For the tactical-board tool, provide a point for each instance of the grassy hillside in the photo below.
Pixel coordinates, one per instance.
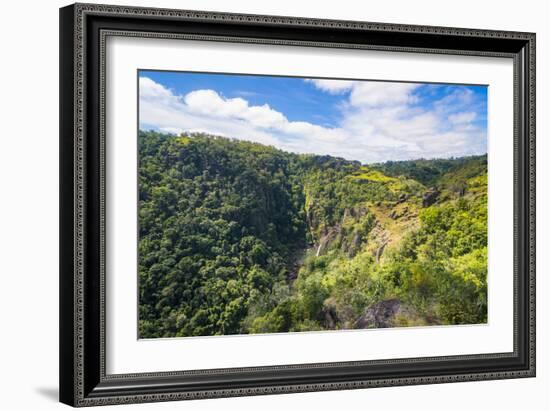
(236, 237)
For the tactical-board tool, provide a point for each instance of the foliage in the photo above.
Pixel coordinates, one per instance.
(425, 171)
(237, 237)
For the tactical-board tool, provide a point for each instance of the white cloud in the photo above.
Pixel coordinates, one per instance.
(210, 103)
(379, 121)
(462, 118)
(369, 93)
(459, 99)
(149, 90)
(382, 94)
(332, 86)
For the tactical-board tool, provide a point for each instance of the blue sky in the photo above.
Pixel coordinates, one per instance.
(367, 121)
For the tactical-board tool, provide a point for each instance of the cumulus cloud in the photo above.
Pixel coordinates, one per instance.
(462, 118)
(382, 94)
(332, 86)
(379, 121)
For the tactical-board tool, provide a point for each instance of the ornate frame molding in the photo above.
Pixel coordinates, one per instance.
(83, 378)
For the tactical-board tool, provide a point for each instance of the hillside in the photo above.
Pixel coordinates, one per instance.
(237, 237)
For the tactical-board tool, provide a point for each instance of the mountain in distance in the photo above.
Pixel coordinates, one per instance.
(239, 238)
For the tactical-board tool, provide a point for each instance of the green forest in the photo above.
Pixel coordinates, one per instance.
(239, 238)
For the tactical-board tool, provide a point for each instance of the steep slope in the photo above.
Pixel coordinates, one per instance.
(217, 221)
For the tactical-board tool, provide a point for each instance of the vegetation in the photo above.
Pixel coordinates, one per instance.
(237, 237)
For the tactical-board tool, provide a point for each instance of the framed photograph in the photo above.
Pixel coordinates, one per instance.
(261, 204)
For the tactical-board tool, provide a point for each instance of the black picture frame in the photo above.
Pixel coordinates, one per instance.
(83, 29)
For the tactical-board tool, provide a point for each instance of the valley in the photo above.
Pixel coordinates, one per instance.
(242, 238)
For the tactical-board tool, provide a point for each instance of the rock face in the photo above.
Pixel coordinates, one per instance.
(402, 198)
(430, 197)
(337, 315)
(343, 234)
(355, 245)
(326, 239)
(355, 212)
(381, 315)
(295, 262)
(330, 316)
(380, 250)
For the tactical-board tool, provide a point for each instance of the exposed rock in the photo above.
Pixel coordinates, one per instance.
(355, 213)
(355, 245)
(402, 198)
(295, 262)
(381, 250)
(330, 317)
(337, 315)
(430, 197)
(384, 313)
(311, 219)
(326, 239)
(347, 214)
(343, 235)
(351, 246)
